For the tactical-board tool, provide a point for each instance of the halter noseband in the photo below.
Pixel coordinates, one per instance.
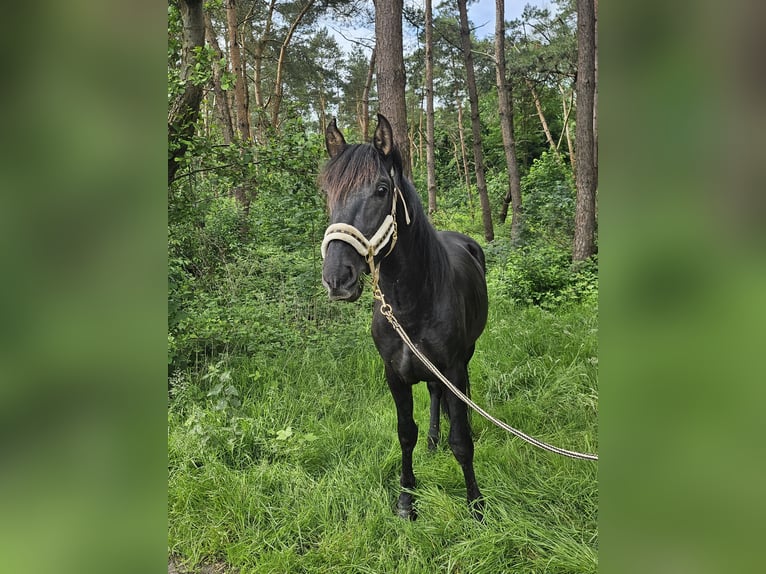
(368, 248)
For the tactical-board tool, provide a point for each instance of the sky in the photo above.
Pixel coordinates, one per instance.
(481, 14)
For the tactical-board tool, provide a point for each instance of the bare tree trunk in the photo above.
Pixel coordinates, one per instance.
(258, 50)
(481, 183)
(421, 134)
(184, 110)
(505, 104)
(366, 98)
(411, 138)
(541, 115)
(565, 129)
(585, 211)
(464, 152)
(430, 152)
(240, 85)
(595, 98)
(221, 100)
(421, 139)
(390, 73)
(278, 93)
(322, 112)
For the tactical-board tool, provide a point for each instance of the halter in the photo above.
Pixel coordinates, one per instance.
(368, 248)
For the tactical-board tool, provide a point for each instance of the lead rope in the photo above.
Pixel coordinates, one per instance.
(388, 313)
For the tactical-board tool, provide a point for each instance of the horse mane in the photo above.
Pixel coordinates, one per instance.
(425, 239)
(355, 166)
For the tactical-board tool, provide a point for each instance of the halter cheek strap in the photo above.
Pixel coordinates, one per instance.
(368, 248)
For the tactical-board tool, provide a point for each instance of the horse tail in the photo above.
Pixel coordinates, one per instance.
(445, 404)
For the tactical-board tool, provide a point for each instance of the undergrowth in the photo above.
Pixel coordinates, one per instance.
(289, 461)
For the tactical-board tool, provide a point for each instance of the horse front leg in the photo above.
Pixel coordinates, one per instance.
(461, 443)
(408, 437)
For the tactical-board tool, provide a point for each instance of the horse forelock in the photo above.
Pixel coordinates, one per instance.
(356, 166)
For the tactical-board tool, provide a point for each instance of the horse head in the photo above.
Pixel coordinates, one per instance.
(363, 186)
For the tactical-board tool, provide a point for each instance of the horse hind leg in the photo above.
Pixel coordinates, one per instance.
(461, 443)
(437, 399)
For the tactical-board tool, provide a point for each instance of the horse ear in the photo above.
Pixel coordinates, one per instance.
(333, 139)
(383, 140)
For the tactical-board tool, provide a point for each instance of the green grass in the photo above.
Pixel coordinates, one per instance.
(297, 468)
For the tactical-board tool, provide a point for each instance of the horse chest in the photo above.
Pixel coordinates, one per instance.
(402, 360)
(408, 366)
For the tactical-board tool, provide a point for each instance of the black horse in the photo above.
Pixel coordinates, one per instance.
(433, 280)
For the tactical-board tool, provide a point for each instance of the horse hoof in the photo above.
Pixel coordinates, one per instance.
(406, 513)
(476, 506)
(433, 442)
(404, 507)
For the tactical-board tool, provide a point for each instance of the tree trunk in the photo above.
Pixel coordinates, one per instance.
(237, 67)
(565, 129)
(184, 110)
(595, 98)
(585, 211)
(464, 152)
(411, 138)
(322, 111)
(505, 104)
(221, 100)
(390, 73)
(430, 155)
(366, 98)
(421, 133)
(541, 115)
(258, 51)
(478, 156)
(278, 88)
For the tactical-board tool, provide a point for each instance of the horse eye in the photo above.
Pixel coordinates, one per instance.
(381, 190)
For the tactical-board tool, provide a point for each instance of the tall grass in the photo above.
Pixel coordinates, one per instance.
(289, 461)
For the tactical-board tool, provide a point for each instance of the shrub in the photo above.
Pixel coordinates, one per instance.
(548, 192)
(540, 274)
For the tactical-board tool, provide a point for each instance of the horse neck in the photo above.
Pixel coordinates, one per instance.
(411, 274)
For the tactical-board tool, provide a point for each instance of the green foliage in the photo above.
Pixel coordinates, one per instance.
(548, 193)
(243, 269)
(541, 274)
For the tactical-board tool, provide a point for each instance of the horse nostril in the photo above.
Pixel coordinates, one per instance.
(351, 274)
(344, 276)
(341, 282)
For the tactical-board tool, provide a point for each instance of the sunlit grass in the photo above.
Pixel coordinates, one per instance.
(302, 476)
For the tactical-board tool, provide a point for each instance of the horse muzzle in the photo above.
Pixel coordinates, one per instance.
(350, 291)
(342, 281)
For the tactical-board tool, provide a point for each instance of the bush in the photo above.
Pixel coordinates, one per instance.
(541, 274)
(244, 274)
(549, 195)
